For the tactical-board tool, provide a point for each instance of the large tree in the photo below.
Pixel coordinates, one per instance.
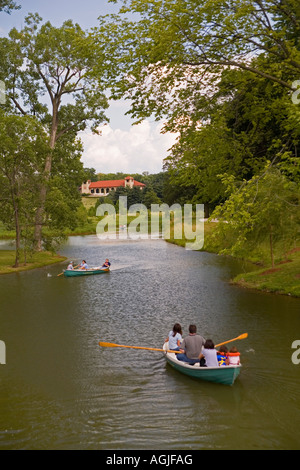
(23, 149)
(168, 55)
(252, 121)
(262, 211)
(47, 73)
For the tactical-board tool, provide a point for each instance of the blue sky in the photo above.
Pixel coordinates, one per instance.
(84, 12)
(122, 147)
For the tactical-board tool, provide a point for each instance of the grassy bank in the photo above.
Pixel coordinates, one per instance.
(38, 260)
(283, 278)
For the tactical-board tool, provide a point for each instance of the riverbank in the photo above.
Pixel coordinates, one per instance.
(283, 278)
(37, 260)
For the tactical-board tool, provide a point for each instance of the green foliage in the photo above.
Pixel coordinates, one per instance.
(150, 197)
(8, 5)
(251, 122)
(167, 56)
(265, 209)
(23, 150)
(57, 61)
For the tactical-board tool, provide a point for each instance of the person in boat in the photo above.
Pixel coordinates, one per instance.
(191, 347)
(209, 354)
(233, 357)
(222, 356)
(83, 265)
(106, 263)
(175, 337)
(70, 266)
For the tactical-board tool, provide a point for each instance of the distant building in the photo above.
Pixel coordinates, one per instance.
(103, 188)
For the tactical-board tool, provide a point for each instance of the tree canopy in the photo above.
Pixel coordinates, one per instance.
(8, 5)
(169, 56)
(45, 61)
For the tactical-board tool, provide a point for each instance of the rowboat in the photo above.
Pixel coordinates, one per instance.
(85, 272)
(222, 375)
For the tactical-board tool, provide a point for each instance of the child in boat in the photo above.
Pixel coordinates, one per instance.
(233, 357)
(106, 263)
(222, 356)
(209, 354)
(175, 337)
(84, 265)
(70, 266)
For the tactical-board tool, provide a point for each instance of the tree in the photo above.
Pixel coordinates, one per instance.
(58, 62)
(168, 56)
(63, 196)
(150, 197)
(252, 121)
(23, 150)
(8, 5)
(90, 174)
(265, 209)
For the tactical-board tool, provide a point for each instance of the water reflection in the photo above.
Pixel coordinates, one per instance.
(60, 390)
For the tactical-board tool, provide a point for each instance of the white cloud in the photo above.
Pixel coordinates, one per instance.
(141, 148)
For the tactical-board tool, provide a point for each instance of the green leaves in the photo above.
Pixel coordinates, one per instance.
(55, 61)
(265, 209)
(8, 5)
(23, 149)
(49, 73)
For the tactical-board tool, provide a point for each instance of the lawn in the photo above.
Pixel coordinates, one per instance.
(283, 278)
(38, 260)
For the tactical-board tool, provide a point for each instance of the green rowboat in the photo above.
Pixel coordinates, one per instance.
(85, 272)
(222, 375)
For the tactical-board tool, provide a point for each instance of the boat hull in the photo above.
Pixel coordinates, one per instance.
(84, 272)
(223, 375)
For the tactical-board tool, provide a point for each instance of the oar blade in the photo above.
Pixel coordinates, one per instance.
(113, 345)
(108, 345)
(243, 336)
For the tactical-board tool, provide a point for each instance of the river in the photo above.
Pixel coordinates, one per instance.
(61, 390)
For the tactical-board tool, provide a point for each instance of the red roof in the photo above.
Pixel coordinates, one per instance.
(112, 184)
(107, 184)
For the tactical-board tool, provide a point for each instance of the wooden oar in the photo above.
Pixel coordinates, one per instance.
(73, 268)
(243, 336)
(113, 345)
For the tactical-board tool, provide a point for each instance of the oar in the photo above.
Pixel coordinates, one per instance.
(63, 271)
(243, 336)
(113, 345)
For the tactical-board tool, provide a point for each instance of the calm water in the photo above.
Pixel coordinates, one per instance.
(60, 390)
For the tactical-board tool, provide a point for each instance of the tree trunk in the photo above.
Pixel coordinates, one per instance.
(39, 217)
(18, 237)
(271, 246)
(206, 210)
(14, 198)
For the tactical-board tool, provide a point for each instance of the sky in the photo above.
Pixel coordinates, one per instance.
(122, 146)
